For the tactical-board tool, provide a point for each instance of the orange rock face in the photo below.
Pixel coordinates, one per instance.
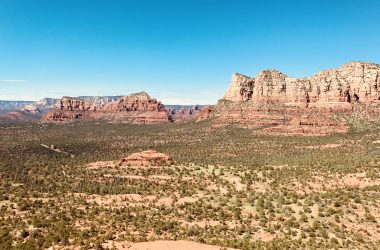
(74, 104)
(135, 102)
(146, 158)
(337, 88)
(68, 109)
(307, 104)
(205, 113)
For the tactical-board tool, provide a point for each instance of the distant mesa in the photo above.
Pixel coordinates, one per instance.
(146, 158)
(10, 106)
(135, 108)
(138, 108)
(41, 106)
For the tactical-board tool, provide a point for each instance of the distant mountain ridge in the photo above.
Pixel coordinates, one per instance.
(9, 106)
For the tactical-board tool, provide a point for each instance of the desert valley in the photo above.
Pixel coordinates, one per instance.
(277, 163)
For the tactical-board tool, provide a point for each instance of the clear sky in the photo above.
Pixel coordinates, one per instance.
(181, 52)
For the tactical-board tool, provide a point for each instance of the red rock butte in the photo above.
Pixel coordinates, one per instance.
(135, 108)
(272, 97)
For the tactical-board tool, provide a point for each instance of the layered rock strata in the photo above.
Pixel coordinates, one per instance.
(135, 108)
(275, 99)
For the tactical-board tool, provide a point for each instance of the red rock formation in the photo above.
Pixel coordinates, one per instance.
(74, 104)
(146, 158)
(135, 102)
(69, 109)
(205, 113)
(241, 88)
(274, 99)
(138, 108)
(135, 108)
(184, 113)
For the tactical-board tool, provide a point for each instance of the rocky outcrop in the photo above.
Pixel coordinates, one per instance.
(136, 108)
(135, 102)
(69, 109)
(241, 88)
(146, 158)
(100, 101)
(337, 88)
(205, 113)
(46, 104)
(184, 113)
(275, 99)
(74, 104)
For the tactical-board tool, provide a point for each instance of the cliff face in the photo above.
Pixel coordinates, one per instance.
(352, 82)
(274, 99)
(74, 104)
(241, 88)
(68, 109)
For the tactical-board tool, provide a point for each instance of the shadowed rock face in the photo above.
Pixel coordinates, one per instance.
(274, 99)
(241, 88)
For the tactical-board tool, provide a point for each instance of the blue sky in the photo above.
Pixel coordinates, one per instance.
(178, 51)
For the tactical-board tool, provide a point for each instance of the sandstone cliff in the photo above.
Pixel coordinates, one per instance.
(275, 99)
(337, 88)
(135, 102)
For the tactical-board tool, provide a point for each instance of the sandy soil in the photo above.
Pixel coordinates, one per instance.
(162, 245)
(320, 146)
(322, 184)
